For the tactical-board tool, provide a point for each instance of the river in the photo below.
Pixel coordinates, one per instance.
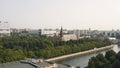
(82, 61)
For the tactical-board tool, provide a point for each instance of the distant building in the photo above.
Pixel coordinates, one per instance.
(112, 33)
(35, 31)
(84, 37)
(48, 32)
(4, 29)
(62, 36)
(20, 32)
(114, 40)
(95, 33)
(14, 30)
(80, 33)
(52, 32)
(69, 37)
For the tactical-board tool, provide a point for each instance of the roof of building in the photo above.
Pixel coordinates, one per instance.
(44, 64)
(16, 65)
(68, 37)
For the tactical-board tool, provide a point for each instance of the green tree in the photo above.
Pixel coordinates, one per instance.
(110, 55)
(116, 64)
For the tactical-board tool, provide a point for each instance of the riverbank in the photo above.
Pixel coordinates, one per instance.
(60, 58)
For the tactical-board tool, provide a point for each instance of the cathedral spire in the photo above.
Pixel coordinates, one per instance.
(61, 32)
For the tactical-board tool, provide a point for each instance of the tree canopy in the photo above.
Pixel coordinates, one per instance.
(15, 48)
(110, 60)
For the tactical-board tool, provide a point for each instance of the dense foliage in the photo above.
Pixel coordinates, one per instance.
(15, 48)
(110, 60)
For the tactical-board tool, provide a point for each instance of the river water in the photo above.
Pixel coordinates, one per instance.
(82, 61)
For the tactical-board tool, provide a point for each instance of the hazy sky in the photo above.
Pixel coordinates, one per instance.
(71, 14)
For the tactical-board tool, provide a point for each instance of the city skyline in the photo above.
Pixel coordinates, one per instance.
(71, 14)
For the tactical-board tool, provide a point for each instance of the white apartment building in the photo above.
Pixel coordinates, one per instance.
(52, 32)
(80, 33)
(48, 32)
(4, 28)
